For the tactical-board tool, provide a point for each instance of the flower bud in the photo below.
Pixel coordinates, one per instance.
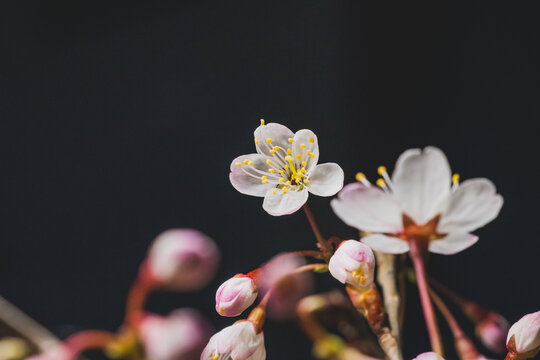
(524, 336)
(180, 335)
(286, 286)
(492, 331)
(239, 342)
(236, 295)
(428, 356)
(182, 259)
(353, 263)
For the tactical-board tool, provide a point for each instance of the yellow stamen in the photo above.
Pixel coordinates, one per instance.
(275, 148)
(288, 183)
(269, 140)
(280, 171)
(291, 140)
(264, 177)
(250, 162)
(360, 177)
(381, 183)
(289, 151)
(299, 156)
(216, 357)
(274, 192)
(271, 170)
(302, 146)
(381, 170)
(311, 140)
(304, 163)
(308, 152)
(312, 155)
(280, 180)
(285, 189)
(455, 178)
(262, 122)
(286, 167)
(246, 161)
(306, 181)
(268, 162)
(264, 181)
(256, 141)
(272, 151)
(239, 163)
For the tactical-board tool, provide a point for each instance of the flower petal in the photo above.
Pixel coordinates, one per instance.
(278, 134)
(284, 204)
(386, 244)
(421, 182)
(474, 204)
(245, 183)
(452, 243)
(368, 208)
(326, 179)
(302, 144)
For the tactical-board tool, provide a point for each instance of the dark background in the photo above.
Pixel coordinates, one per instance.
(120, 119)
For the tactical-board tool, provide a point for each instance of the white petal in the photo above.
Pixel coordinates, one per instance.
(386, 244)
(302, 137)
(284, 204)
(526, 333)
(326, 179)
(452, 243)
(474, 204)
(421, 182)
(244, 183)
(368, 209)
(277, 132)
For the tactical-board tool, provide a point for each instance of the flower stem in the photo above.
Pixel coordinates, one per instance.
(137, 297)
(427, 307)
(89, 339)
(464, 346)
(322, 243)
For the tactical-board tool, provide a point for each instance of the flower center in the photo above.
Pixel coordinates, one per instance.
(359, 275)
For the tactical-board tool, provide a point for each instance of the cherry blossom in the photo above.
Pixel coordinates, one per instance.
(353, 263)
(240, 341)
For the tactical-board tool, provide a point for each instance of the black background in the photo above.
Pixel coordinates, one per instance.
(120, 119)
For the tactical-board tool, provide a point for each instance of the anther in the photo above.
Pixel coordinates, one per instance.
(262, 122)
(302, 146)
(311, 140)
(246, 161)
(271, 171)
(381, 170)
(289, 151)
(274, 192)
(455, 178)
(291, 140)
(360, 177)
(239, 163)
(381, 183)
(268, 162)
(269, 140)
(250, 162)
(285, 189)
(299, 156)
(304, 163)
(256, 141)
(308, 152)
(280, 179)
(288, 182)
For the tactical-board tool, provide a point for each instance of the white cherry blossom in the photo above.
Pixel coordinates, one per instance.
(524, 336)
(240, 341)
(421, 201)
(284, 169)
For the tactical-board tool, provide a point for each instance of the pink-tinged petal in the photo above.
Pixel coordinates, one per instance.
(180, 335)
(428, 356)
(474, 204)
(386, 244)
(326, 179)
(368, 208)
(525, 333)
(353, 263)
(452, 243)
(303, 137)
(182, 259)
(245, 183)
(235, 295)
(421, 182)
(492, 331)
(238, 342)
(278, 133)
(282, 203)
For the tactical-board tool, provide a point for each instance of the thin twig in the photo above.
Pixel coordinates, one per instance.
(323, 244)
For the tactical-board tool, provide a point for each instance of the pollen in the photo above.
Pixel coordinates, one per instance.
(274, 192)
(308, 152)
(269, 140)
(246, 161)
(288, 183)
(381, 170)
(285, 190)
(289, 151)
(455, 178)
(256, 141)
(250, 162)
(312, 155)
(291, 140)
(262, 122)
(271, 171)
(280, 179)
(239, 163)
(216, 357)
(272, 151)
(306, 181)
(264, 181)
(360, 177)
(381, 183)
(286, 167)
(311, 140)
(302, 146)
(268, 162)
(280, 171)
(304, 163)
(299, 156)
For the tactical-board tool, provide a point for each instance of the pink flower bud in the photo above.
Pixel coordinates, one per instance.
(428, 356)
(182, 259)
(492, 331)
(524, 335)
(235, 295)
(286, 286)
(180, 335)
(238, 342)
(353, 263)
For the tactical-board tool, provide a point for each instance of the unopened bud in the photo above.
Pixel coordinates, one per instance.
(492, 331)
(524, 336)
(353, 263)
(235, 295)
